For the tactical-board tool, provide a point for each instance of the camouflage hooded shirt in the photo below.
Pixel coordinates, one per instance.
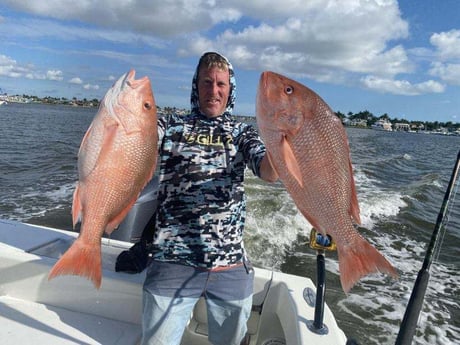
(201, 200)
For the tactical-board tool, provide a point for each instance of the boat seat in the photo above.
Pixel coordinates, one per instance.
(199, 321)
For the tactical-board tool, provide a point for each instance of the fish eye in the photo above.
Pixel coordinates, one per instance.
(147, 106)
(289, 89)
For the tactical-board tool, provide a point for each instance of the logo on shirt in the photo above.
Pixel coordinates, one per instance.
(209, 139)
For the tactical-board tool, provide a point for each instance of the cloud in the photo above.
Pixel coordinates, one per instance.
(54, 75)
(91, 87)
(402, 87)
(10, 68)
(447, 53)
(149, 17)
(319, 39)
(447, 44)
(316, 40)
(342, 42)
(76, 80)
(34, 28)
(450, 73)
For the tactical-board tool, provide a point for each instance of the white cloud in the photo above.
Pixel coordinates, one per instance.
(450, 73)
(54, 75)
(325, 40)
(447, 44)
(316, 40)
(10, 68)
(447, 54)
(401, 87)
(76, 80)
(149, 17)
(36, 28)
(91, 87)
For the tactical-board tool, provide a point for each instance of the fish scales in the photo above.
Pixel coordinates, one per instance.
(117, 158)
(309, 149)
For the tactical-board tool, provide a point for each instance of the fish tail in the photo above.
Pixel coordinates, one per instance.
(360, 259)
(80, 259)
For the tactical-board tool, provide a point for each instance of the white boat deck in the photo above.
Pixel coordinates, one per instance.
(25, 322)
(69, 310)
(66, 310)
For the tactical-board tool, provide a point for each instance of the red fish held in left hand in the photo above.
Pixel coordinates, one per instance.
(117, 158)
(308, 147)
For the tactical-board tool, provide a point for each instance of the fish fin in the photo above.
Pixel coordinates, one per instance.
(359, 259)
(270, 159)
(76, 206)
(85, 140)
(80, 259)
(95, 145)
(354, 204)
(101, 149)
(89, 143)
(290, 161)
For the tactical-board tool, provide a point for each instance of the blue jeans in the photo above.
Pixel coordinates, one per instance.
(171, 292)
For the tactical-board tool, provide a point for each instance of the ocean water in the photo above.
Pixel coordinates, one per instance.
(401, 179)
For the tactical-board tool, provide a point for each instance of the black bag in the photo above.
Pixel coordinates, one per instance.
(135, 259)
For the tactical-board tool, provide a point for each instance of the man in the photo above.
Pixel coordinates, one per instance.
(198, 245)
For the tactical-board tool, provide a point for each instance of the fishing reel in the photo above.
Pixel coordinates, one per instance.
(321, 242)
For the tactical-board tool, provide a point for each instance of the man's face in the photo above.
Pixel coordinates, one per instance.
(213, 90)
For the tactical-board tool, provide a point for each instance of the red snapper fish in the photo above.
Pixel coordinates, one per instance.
(117, 158)
(308, 147)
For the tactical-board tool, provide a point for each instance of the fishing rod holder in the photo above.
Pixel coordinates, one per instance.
(321, 244)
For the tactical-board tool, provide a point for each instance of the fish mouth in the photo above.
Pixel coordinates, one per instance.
(130, 80)
(126, 81)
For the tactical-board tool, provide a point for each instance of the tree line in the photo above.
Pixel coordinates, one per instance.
(371, 119)
(362, 115)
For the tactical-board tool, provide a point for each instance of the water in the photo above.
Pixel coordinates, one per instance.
(401, 180)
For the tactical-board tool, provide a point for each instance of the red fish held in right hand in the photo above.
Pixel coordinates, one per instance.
(309, 149)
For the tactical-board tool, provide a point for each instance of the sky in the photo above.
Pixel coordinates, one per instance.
(400, 58)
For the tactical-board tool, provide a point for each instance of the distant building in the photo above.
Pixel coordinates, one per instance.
(358, 123)
(402, 127)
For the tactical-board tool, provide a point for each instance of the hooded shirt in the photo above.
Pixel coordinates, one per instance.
(201, 200)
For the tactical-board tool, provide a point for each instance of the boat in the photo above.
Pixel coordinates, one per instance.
(382, 125)
(3, 102)
(69, 310)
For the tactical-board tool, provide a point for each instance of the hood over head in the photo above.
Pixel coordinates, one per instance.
(232, 95)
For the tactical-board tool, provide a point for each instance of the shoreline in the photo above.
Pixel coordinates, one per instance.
(452, 129)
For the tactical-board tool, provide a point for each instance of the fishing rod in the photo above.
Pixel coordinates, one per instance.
(409, 323)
